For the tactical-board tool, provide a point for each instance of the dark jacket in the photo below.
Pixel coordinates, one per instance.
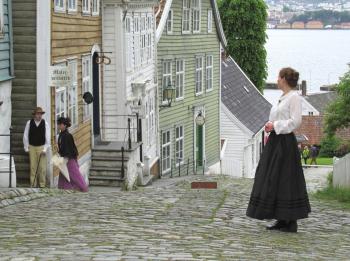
(66, 145)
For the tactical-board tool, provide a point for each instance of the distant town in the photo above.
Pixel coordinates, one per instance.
(308, 14)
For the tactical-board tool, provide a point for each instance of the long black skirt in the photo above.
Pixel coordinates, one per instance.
(279, 190)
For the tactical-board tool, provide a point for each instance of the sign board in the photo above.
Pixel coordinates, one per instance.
(200, 120)
(60, 76)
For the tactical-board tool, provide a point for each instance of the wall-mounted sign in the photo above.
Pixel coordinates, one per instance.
(59, 76)
(200, 120)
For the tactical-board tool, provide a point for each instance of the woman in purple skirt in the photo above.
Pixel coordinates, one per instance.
(67, 149)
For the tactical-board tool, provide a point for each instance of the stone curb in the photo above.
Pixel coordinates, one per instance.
(19, 195)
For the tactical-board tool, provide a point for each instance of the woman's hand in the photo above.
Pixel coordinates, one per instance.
(269, 126)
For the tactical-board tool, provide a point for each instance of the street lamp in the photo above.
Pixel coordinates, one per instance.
(168, 94)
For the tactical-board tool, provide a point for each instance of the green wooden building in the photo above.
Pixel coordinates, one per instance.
(190, 41)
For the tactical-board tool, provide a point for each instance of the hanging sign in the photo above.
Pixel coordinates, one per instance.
(59, 76)
(200, 120)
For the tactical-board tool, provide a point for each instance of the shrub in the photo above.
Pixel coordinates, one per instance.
(329, 146)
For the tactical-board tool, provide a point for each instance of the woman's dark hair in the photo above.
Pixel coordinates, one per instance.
(290, 75)
(64, 121)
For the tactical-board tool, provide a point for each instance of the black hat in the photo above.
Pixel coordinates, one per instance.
(64, 121)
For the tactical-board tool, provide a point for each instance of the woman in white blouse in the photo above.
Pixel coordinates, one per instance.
(279, 190)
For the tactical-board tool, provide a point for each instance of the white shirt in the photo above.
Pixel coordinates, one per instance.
(287, 114)
(26, 136)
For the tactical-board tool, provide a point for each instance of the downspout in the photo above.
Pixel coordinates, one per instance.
(163, 20)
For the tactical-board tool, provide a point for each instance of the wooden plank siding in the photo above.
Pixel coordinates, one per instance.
(24, 84)
(72, 37)
(188, 46)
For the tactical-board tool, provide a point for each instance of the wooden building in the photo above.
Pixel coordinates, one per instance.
(65, 33)
(314, 25)
(298, 25)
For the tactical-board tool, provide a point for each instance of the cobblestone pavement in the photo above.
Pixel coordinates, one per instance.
(165, 222)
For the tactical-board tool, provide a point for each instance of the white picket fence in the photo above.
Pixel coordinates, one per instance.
(341, 171)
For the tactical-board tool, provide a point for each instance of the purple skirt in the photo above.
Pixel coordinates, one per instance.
(77, 181)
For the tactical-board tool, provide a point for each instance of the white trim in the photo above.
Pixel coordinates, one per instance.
(168, 144)
(209, 67)
(236, 121)
(183, 72)
(202, 75)
(210, 21)
(199, 10)
(189, 17)
(171, 22)
(181, 138)
(163, 20)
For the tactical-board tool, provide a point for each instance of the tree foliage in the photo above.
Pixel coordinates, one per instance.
(244, 23)
(338, 113)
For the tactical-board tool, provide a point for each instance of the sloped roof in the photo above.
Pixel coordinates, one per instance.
(242, 98)
(162, 11)
(320, 101)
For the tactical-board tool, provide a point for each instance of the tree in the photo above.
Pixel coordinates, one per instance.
(337, 114)
(244, 23)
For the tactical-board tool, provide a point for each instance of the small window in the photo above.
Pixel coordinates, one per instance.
(72, 5)
(311, 113)
(60, 105)
(96, 7)
(209, 72)
(169, 23)
(199, 75)
(166, 151)
(167, 75)
(60, 5)
(86, 6)
(180, 79)
(210, 21)
(186, 16)
(179, 145)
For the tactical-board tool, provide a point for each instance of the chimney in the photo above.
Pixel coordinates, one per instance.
(303, 88)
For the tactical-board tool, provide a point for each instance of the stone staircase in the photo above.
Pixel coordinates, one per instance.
(106, 165)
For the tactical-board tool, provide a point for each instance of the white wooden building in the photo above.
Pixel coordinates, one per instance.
(128, 32)
(244, 112)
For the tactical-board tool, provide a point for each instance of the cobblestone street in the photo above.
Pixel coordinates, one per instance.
(165, 222)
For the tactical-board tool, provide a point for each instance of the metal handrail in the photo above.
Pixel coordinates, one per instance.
(10, 154)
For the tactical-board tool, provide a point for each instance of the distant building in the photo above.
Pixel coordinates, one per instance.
(345, 25)
(284, 26)
(298, 25)
(314, 25)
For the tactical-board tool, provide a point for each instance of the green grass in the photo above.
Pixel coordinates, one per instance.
(338, 194)
(321, 161)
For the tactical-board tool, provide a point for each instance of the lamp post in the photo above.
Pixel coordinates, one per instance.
(168, 94)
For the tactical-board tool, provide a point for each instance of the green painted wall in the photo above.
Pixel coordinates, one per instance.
(188, 46)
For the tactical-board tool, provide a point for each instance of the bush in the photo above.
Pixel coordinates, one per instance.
(329, 146)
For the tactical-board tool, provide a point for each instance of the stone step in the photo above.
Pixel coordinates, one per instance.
(105, 181)
(108, 154)
(146, 181)
(105, 172)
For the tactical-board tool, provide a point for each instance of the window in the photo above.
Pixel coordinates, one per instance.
(72, 5)
(73, 93)
(2, 24)
(186, 16)
(311, 113)
(210, 21)
(196, 14)
(86, 83)
(95, 7)
(60, 104)
(137, 41)
(199, 75)
(60, 6)
(129, 43)
(180, 79)
(209, 72)
(150, 120)
(167, 75)
(169, 23)
(149, 38)
(86, 6)
(166, 149)
(143, 40)
(179, 145)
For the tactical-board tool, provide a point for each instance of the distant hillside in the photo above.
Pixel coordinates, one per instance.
(326, 16)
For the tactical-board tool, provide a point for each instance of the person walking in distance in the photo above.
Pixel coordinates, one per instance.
(306, 154)
(36, 141)
(313, 154)
(279, 190)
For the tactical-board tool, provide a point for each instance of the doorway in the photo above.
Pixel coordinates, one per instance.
(199, 145)
(96, 94)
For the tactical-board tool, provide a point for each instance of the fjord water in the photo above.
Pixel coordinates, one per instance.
(321, 56)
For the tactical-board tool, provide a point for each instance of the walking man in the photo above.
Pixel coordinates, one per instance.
(36, 140)
(314, 152)
(306, 154)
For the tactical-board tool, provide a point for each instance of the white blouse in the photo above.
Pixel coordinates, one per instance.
(287, 114)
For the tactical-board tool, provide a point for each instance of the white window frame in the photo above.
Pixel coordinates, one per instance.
(149, 39)
(60, 6)
(186, 12)
(196, 16)
(95, 11)
(180, 79)
(129, 43)
(2, 21)
(137, 41)
(209, 69)
(86, 10)
(72, 6)
(199, 75)
(166, 145)
(179, 140)
(210, 21)
(167, 67)
(170, 22)
(60, 108)
(86, 83)
(143, 47)
(72, 93)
